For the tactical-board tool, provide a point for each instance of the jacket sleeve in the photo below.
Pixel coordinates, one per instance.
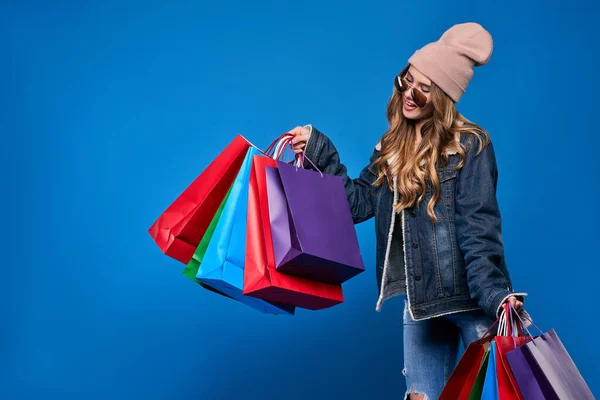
(479, 230)
(321, 151)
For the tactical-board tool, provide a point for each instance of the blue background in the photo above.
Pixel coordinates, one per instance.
(110, 109)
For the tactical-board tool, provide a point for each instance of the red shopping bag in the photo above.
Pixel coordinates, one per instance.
(508, 389)
(178, 231)
(261, 278)
(463, 377)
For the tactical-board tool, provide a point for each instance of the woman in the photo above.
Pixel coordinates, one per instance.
(431, 186)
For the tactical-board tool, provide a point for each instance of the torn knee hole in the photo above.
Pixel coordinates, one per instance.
(414, 395)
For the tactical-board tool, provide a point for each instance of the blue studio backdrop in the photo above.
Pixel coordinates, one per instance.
(108, 110)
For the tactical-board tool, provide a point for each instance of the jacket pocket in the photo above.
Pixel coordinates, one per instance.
(444, 207)
(445, 258)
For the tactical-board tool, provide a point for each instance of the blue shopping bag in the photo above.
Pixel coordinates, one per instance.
(490, 385)
(223, 264)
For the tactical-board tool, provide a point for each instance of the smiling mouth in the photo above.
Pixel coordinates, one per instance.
(408, 103)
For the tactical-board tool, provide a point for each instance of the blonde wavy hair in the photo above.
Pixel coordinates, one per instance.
(414, 167)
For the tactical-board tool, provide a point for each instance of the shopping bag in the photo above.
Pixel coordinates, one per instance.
(527, 376)
(477, 390)
(465, 374)
(191, 269)
(551, 366)
(557, 365)
(490, 384)
(507, 340)
(179, 229)
(508, 389)
(261, 278)
(527, 384)
(222, 266)
(312, 229)
(211, 289)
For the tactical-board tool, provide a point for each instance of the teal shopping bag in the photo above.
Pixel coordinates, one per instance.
(490, 385)
(223, 264)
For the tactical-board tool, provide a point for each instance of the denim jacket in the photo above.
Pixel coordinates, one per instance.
(454, 265)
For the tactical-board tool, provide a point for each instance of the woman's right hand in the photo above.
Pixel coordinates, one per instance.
(301, 136)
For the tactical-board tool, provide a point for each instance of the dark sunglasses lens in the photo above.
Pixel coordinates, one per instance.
(419, 98)
(399, 87)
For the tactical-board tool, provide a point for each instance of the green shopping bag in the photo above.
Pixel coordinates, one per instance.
(191, 269)
(477, 390)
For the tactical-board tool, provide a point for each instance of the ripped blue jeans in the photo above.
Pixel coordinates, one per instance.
(431, 348)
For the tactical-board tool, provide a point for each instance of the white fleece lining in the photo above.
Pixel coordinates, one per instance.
(387, 251)
(524, 314)
(387, 254)
(310, 128)
(405, 263)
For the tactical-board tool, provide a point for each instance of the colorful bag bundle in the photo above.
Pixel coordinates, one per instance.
(514, 365)
(265, 232)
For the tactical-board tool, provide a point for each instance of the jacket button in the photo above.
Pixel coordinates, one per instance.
(415, 245)
(417, 277)
(413, 213)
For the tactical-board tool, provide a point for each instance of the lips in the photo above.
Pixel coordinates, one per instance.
(409, 106)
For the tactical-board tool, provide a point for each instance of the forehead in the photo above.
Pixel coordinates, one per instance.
(418, 76)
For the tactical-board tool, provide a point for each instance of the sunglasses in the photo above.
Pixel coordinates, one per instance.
(402, 85)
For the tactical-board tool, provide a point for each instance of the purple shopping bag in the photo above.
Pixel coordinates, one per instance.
(312, 228)
(544, 369)
(553, 360)
(527, 376)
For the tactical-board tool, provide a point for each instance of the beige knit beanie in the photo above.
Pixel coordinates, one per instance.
(449, 62)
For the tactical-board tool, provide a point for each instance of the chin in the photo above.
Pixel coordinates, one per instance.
(411, 114)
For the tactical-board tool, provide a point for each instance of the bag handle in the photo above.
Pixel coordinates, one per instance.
(501, 325)
(523, 323)
(280, 147)
(511, 331)
(271, 147)
(509, 323)
(490, 328)
(506, 327)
